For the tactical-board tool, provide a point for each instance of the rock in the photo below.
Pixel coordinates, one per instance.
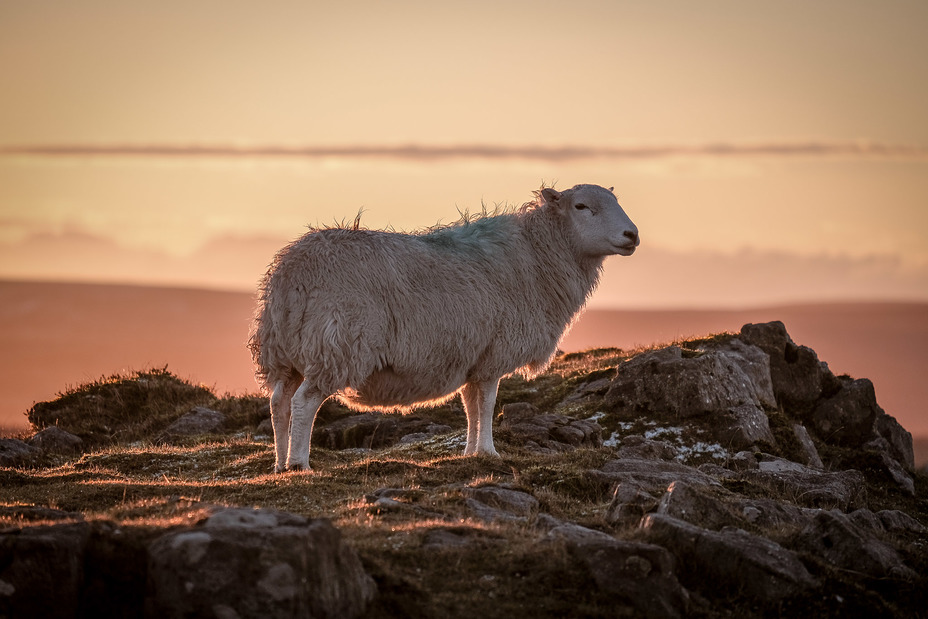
(755, 364)
(629, 503)
(523, 424)
(14, 452)
(650, 475)
(697, 505)
(812, 488)
(896, 522)
(198, 421)
(36, 513)
(729, 383)
(669, 382)
(496, 503)
(798, 377)
(42, 570)
(898, 474)
(368, 430)
(898, 439)
(637, 575)
(810, 455)
(265, 428)
(747, 426)
(587, 392)
(55, 440)
(836, 538)
(731, 561)
(847, 418)
(637, 446)
(260, 563)
(774, 464)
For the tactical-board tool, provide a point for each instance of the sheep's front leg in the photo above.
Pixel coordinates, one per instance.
(479, 402)
(304, 406)
(280, 418)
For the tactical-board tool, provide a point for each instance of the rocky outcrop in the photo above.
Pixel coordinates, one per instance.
(735, 476)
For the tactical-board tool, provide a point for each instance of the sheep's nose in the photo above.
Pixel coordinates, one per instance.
(632, 235)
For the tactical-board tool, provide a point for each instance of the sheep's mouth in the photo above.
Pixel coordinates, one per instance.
(626, 250)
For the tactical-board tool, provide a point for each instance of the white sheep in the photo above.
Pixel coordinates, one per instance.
(391, 321)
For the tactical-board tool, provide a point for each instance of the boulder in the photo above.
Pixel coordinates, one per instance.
(681, 383)
(14, 452)
(798, 378)
(649, 475)
(252, 562)
(497, 503)
(637, 575)
(697, 505)
(898, 440)
(42, 570)
(731, 561)
(629, 503)
(730, 384)
(369, 430)
(198, 421)
(523, 424)
(836, 538)
(57, 441)
(808, 451)
(812, 488)
(847, 418)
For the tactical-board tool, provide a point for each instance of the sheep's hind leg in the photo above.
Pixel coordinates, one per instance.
(304, 406)
(479, 402)
(280, 417)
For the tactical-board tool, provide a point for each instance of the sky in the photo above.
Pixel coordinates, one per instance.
(768, 152)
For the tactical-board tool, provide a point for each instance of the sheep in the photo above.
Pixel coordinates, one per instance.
(392, 321)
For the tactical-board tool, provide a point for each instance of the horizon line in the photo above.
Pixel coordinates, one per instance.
(427, 153)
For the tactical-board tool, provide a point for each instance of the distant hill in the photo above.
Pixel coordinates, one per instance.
(55, 335)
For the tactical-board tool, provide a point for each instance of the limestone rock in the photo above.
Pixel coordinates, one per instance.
(522, 423)
(257, 563)
(42, 570)
(848, 417)
(368, 430)
(496, 503)
(731, 560)
(14, 452)
(798, 378)
(650, 475)
(629, 503)
(696, 505)
(199, 420)
(812, 488)
(834, 537)
(730, 384)
(810, 455)
(55, 440)
(637, 575)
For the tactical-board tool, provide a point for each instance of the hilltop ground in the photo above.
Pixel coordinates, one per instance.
(445, 535)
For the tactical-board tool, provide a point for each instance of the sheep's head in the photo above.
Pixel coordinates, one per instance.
(602, 227)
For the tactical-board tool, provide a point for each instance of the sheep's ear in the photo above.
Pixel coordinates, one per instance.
(610, 190)
(550, 195)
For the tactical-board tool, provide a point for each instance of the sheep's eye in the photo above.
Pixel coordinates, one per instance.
(580, 207)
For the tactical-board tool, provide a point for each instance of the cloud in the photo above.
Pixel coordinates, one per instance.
(436, 153)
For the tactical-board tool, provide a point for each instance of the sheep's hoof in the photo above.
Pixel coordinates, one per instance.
(279, 469)
(296, 467)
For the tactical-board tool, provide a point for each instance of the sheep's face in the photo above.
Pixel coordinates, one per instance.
(602, 227)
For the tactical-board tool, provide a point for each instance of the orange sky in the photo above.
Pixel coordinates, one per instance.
(773, 152)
